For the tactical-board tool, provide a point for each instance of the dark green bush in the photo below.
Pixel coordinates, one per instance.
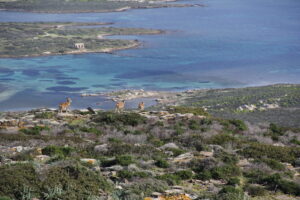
(57, 151)
(239, 124)
(194, 125)
(184, 110)
(45, 115)
(162, 163)
(226, 157)
(171, 179)
(5, 198)
(283, 154)
(91, 130)
(225, 172)
(230, 193)
(221, 139)
(132, 119)
(124, 160)
(234, 181)
(15, 177)
(184, 174)
(256, 190)
(36, 130)
(129, 174)
(273, 164)
(76, 181)
(204, 175)
(178, 129)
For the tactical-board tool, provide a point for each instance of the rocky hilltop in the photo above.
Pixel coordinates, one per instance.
(179, 152)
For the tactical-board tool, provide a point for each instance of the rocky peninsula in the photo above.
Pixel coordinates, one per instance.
(43, 39)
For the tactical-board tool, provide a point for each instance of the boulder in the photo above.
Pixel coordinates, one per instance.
(101, 148)
(115, 168)
(89, 161)
(207, 153)
(169, 145)
(42, 158)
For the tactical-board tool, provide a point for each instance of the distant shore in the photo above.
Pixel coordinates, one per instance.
(122, 9)
(48, 39)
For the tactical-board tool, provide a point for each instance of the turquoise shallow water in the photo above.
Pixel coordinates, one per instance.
(229, 43)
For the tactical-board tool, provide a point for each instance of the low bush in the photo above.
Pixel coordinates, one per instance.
(45, 115)
(131, 119)
(171, 179)
(254, 190)
(15, 177)
(57, 151)
(221, 139)
(162, 163)
(239, 124)
(225, 172)
(91, 130)
(185, 109)
(36, 130)
(184, 174)
(129, 174)
(194, 125)
(282, 154)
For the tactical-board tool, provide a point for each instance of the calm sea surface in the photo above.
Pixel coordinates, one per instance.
(228, 43)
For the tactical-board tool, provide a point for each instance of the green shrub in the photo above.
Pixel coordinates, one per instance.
(256, 190)
(124, 160)
(184, 174)
(194, 125)
(162, 163)
(226, 157)
(5, 198)
(23, 156)
(206, 121)
(234, 181)
(171, 179)
(45, 115)
(15, 177)
(36, 130)
(178, 129)
(91, 130)
(184, 110)
(276, 129)
(132, 119)
(231, 193)
(57, 151)
(176, 151)
(225, 172)
(283, 154)
(129, 174)
(275, 181)
(76, 181)
(273, 164)
(221, 139)
(239, 124)
(204, 175)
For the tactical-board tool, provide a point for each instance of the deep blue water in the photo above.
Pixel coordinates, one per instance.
(228, 43)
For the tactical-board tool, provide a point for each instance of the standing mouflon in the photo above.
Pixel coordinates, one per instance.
(141, 106)
(120, 105)
(65, 105)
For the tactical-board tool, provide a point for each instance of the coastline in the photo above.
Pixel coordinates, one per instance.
(136, 44)
(123, 9)
(107, 51)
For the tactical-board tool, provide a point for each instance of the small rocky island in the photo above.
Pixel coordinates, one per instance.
(40, 39)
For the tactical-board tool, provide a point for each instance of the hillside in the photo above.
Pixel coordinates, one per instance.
(179, 152)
